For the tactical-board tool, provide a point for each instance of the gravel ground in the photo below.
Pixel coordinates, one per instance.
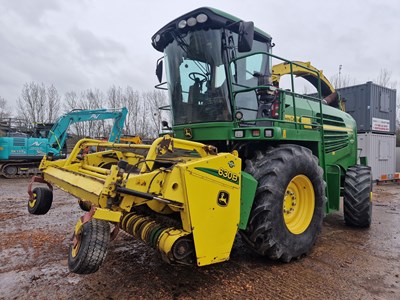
(345, 263)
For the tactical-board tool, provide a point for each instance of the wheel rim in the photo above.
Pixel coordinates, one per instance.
(32, 202)
(76, 246)
(298, 204)
(77, 238)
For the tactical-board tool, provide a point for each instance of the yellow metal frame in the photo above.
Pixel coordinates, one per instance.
(284, 68)
(202, 186)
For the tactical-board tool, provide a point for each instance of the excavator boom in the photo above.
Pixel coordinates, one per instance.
(20, 156)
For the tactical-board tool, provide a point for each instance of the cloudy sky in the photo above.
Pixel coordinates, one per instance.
(81, 44)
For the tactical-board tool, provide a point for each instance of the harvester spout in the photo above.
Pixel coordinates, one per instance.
(332, 100)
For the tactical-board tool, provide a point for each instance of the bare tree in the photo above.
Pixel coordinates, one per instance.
(385, 79)
(154, 100)
(131, 101)
(115, 97)
(144, 117)
(53, 104)
(4, 111)
(87, 100)
(71, 103)
(341, 81)
(95, 100)
(38, 104)
(31, 104)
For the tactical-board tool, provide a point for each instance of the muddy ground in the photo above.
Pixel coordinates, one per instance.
(344, 264)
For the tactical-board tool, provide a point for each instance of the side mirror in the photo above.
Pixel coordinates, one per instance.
(165, 125)
(246, 36)
(159, 70)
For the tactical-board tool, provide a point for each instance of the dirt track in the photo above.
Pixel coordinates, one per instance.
(344, 264)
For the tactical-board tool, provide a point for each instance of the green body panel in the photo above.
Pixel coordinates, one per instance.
(248, 191)
(333, 181)
(204, 131)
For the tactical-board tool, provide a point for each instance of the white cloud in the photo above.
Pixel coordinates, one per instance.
(77, 45)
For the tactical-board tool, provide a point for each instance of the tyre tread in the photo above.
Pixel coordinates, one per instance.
(44, 200)
(357, 206)
(95, 240)
(266, 170)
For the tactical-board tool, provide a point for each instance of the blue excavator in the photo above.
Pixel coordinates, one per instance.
(21, 153)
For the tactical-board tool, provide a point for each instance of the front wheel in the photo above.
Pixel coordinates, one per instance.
(41, 202)
(289, 204)
(357, 205)
(89, 250)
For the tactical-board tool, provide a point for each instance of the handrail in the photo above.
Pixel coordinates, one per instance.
(160, 146)
(321, 122)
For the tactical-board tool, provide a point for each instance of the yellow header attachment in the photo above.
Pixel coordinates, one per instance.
(184, 181)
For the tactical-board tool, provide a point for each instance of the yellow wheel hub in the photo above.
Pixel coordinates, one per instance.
(298, 204)
(32, 203)
(77, 239)
(76, 246)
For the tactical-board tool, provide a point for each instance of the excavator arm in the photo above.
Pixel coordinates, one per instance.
(58, 133)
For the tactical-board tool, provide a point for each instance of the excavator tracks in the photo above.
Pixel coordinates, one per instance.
(20, 169)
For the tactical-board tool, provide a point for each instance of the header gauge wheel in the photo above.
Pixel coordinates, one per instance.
(89, 248)
(41, 202)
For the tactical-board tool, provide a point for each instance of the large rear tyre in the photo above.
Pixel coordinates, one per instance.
(90, 250)
(289, 204)
(41, 202)
(357, 205)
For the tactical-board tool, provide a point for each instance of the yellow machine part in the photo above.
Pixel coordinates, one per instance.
(131, 139)
(213, 206)
(209, 191)
(305, 70)
(312, 75)
(199, 185)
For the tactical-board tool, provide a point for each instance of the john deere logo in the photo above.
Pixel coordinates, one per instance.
(223, 198)
(188, 133)
(231, 164)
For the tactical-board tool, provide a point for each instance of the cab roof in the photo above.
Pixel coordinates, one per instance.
(215, 19)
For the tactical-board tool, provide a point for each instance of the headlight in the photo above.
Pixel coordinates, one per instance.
(182, 24)
(191, 22)
(201, 18)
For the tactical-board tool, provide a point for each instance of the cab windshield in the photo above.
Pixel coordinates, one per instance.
(197, 67)
(196, 78)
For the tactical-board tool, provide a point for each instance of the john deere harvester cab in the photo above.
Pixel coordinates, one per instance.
(301, 152)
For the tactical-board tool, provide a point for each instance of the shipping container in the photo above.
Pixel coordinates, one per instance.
(398, 159)
(380, 150)
(372, 106)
